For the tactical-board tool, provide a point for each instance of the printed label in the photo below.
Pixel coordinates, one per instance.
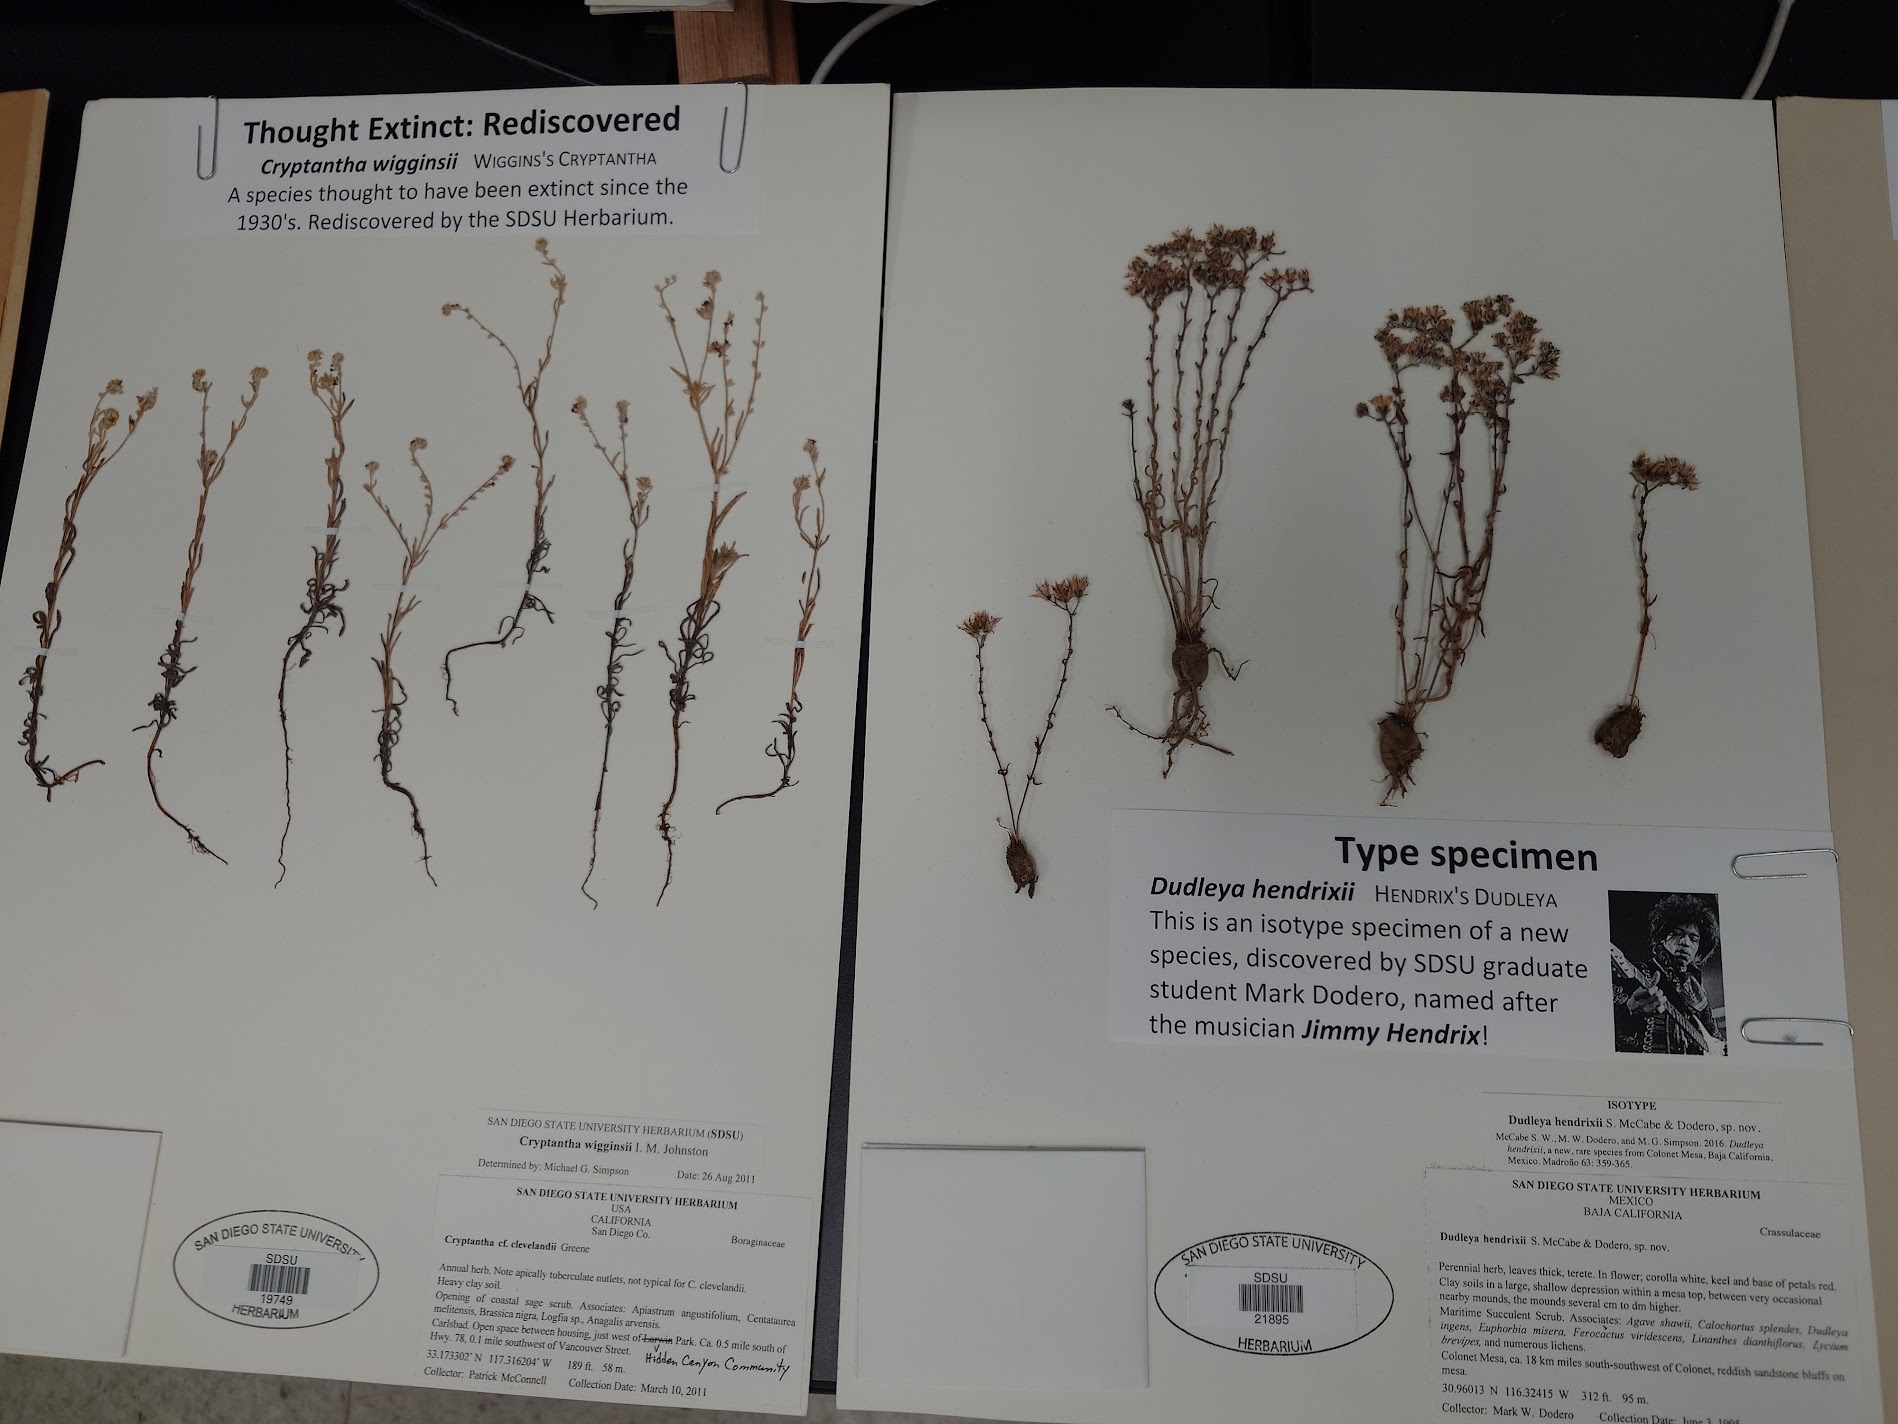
(681, 1297)
(1465, 937)
(275, 1270)
(539, 161)
(1650, 1299)
(1670, 1136)
(1273, 1293)
(647, 1151)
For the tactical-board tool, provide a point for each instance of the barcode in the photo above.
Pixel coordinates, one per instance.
(1273, 1298)
(280, 1280)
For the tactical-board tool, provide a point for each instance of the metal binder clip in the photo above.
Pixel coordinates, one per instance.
(1788, 1036)
(216, 117)
(744, 123)
(1753, 855)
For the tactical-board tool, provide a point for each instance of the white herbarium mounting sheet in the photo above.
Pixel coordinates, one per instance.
(1291, 1001)
(645, 1084)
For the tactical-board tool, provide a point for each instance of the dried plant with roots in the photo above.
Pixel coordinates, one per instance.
(511, 629)
(1064, 594)
(1446, 546)
(720, 432)
(618, 638)
(415, 549)
(101, 450)
(1201, 339)
(171, 662)
(320, 604)
(1616, 732)
(807, 498)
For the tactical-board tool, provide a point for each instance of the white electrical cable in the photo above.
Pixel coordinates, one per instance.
(857, 32)
(1772, 48)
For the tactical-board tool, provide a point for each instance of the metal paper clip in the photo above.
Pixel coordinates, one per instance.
(1787, 1036)
(744, 123)
(216, 118)
(1753, 855)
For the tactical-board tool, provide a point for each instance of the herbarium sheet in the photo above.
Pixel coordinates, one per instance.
(435, 587)
(1349, 926)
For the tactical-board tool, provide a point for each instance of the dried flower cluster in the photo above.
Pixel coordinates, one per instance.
(720, 431)
(1439, 609)
(321, 591)
(415, 549)
(807, 498)
(618, 645)
(1201, 339)
(1616, 732)
(101, 450)
(1064, 594)
(171, 665)
(527, 388)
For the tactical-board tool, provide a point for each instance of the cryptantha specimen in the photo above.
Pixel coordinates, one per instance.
(171, 662)
(619, 646)
(1201, 338)
(1447, 540)
(720, 431)
(1064, 594)
(807, 513)
(320, 604)
(1616, 732)
(510, 630)
(415, 549)
(101, 450)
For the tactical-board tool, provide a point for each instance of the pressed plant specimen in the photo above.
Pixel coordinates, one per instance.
(511, 629)
(321, 591)
(101, 450)
(1201, 338)
(618, 638)
(1064, 594)
(415, 549)
(171, 663)
(807, 497)
(1616, 732)
(1446, 546)
(720, 432)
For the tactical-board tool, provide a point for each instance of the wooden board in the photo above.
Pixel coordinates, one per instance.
(22, 131)
(755, 43)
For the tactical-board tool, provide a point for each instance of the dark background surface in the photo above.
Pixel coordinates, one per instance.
(243, 49)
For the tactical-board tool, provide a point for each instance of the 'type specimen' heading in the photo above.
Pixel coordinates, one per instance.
(1368, 855)
(491, 124)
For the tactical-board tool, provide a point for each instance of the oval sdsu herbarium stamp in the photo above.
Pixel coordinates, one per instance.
(1273, 1293)
(275, 1270)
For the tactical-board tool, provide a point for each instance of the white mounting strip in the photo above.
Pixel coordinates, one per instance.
(34, 650)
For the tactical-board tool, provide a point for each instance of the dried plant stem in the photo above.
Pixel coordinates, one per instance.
(1195, 290)
(101, 450)
(415, 549)
(321, 591)
(1064, 594)
(1439, 611)
(171, 667)
(510, 628)
(1617, 732)
(720, 436)
(618, 639)
(783, 746)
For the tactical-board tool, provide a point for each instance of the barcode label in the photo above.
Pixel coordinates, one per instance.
(1270, 1297)
(279, 1280)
